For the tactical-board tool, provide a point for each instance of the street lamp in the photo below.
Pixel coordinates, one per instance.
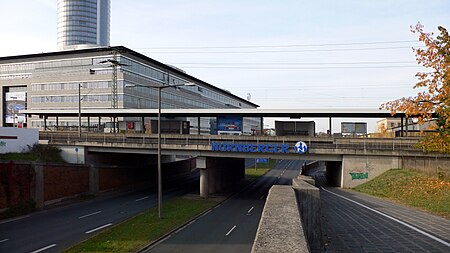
(159, 134)
(79, 110)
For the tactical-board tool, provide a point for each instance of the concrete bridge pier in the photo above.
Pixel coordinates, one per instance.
(219, 174)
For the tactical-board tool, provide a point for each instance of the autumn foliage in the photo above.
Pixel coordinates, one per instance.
(434, 86)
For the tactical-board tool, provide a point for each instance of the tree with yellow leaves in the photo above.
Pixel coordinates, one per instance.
(434, 96)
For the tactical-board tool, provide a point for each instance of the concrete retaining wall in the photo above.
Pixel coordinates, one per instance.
(434, 167)
(308, 200)
(280, 228)
(360, 169)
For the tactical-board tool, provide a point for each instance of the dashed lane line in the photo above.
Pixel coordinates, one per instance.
(96, 229)
(231, 230)
(250, 210)
(88, 215)
(44, 248)
(4, 240)
(146, 197)
(392, 218)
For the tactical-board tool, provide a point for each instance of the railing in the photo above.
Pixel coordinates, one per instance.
(400, 144)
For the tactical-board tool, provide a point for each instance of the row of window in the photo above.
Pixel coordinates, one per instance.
(72, 86)
(74, 98)
(161, 76)
(14, 76)
(28, 67)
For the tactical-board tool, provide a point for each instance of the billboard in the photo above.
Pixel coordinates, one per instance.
(15, 101)
(354, 128)
(229, 124)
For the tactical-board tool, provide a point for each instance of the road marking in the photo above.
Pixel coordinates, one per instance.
(392, 218)
(4, 240)
(231, 230)
(146, 197)
(262, 197)
(19, 218)
(95, 229)
(45, 248)
(248, 212)
(87, 215)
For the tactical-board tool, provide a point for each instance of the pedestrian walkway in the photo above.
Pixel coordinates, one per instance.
(356, 222)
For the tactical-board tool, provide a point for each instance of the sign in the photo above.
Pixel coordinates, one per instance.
(300, 147)
(262, 160)
(229, 123)
(354, 127)
(15, 101)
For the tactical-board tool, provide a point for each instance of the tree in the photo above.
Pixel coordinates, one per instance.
(434, 85)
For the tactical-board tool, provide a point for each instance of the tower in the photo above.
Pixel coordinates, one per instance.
(83, 23)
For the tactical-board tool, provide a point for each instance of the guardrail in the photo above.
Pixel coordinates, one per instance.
(400, 144)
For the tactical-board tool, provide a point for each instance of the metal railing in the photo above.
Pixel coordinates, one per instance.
(64, 137)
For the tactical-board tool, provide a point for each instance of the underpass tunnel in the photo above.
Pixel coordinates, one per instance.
(115, 171)
(325, 173)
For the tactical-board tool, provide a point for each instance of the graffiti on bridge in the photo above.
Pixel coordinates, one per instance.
(359, 175)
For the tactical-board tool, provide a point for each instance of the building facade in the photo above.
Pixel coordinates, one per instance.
(97, 77)
(83, 23)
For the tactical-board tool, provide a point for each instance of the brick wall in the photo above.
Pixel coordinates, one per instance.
(65, 180)
(16, 182)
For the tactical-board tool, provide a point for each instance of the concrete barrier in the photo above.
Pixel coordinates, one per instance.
(308, 200)
(280, 228)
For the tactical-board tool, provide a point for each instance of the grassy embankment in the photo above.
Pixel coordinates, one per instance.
(261, 169)
(138, 231)
(413, 189)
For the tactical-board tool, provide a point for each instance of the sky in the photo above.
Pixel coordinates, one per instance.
(281, 54)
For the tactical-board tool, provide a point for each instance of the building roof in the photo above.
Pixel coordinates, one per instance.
(125, 51)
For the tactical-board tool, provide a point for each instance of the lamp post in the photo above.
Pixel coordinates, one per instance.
(159, 135)
(79, 110)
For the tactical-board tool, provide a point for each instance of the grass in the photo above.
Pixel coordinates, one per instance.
(135, 233)
(411, 188)
(261, 169)
(37, 153)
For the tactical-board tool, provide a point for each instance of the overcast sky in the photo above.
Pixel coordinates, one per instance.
(325, 54)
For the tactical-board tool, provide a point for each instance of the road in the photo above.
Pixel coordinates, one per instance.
(56, 229)
(356, 222)
(231, 226)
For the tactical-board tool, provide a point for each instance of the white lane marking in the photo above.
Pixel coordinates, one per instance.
(392, 218)
(95, 229)
(19, 218)
(4, 240)
(262, 197)
(87, 215)
(45, 248)
(146, 197)
(231, 230)
(248, 212)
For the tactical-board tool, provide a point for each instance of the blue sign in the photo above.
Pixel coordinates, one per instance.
(229, 123)
(301, 147)
(262, 160)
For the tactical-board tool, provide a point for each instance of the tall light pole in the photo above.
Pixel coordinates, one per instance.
(79, 110)
(159, 135)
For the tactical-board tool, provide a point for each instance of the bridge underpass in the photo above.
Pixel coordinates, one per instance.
(350, 161)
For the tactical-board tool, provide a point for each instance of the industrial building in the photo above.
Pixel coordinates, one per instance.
(104, 77)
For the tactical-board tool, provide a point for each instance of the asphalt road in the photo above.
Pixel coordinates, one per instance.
(56, 229)
(231, 226)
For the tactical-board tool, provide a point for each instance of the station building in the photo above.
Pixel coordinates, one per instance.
(60, 80)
